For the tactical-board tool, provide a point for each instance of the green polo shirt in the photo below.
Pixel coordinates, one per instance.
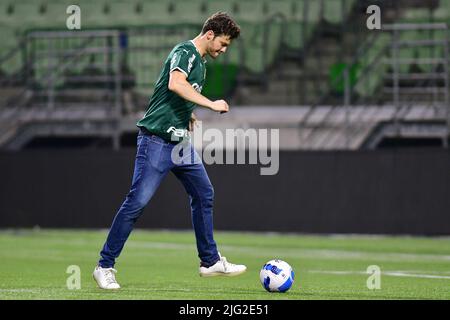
(168, 114)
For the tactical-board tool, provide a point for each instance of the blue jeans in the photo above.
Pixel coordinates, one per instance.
(153, 162)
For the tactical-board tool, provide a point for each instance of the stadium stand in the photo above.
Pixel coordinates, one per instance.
(291, 52)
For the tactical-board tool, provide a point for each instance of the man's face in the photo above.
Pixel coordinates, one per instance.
(217, 45)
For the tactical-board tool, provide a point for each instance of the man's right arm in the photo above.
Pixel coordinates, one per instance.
(179, 84)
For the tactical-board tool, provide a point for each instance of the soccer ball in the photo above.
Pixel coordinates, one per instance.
(276, 276)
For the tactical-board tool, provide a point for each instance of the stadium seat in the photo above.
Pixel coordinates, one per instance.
(275, 33)
(337, 11)
(213, 6)
(161, 12)
(349, 5)
(24, 13)
(367, 84)
(258, 53)
(10, 41)
(95, 14)
(126, 13)
(333, 11)
(6, 13)
(313, 10)
(249, 11)
(280, 7)
(295, 34)
(252, 39)
(442, 13)
(191, 11)
(56, 14)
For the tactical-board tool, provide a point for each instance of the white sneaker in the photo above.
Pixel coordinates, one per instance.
(106, 278)
(222, 268)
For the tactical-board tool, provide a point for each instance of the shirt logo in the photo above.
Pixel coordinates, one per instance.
(191, 60)
(177, 132)
(197, 87)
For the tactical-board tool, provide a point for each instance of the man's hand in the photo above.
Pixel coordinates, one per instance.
(220, 106)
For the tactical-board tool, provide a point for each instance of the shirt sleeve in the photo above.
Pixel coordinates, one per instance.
(182, 60)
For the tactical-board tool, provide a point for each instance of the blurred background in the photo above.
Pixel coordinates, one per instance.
(363, 114)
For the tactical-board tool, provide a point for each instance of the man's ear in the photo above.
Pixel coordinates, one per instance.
(209, 35)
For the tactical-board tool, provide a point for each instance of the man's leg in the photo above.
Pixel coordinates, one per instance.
(195, 180)
(148, 174)
(192, 174)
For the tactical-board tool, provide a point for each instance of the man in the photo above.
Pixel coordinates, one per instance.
(166, 123)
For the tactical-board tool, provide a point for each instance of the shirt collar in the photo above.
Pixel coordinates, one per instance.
(204, 59)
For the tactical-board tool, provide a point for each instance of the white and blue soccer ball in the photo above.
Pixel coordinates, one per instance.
(276, 276)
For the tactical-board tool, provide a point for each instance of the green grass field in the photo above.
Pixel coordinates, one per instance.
(164, 265)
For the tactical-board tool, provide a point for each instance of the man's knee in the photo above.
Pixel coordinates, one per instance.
(208, 194)
(204, 195)
(136, 201)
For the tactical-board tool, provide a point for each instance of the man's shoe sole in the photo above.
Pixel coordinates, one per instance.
(215, 274)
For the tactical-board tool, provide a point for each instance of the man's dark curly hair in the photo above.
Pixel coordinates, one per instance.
(221, 24)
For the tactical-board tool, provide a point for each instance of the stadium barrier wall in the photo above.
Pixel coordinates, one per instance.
(364, 192)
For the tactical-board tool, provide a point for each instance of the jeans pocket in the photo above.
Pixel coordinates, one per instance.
(142, 146)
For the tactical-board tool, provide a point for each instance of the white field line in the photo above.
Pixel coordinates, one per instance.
(95, 291)
(385, 273)
(20, 290)
(299, 253)
(61, 233)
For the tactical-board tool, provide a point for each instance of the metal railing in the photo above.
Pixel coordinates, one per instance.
(424, 83)
(390, 55)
